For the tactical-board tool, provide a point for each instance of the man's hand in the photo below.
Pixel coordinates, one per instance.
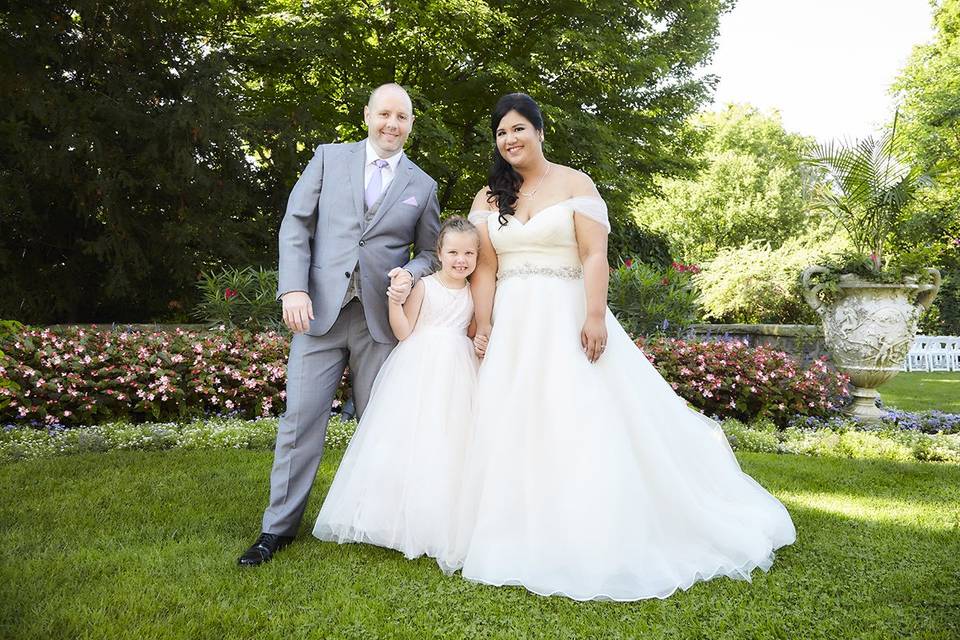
(297, 310)
(401, 282)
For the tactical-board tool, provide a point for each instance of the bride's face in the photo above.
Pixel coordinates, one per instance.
(518, 141)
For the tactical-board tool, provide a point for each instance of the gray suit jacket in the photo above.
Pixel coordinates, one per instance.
(322, 236)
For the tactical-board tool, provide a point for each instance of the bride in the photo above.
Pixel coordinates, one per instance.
(587, 475)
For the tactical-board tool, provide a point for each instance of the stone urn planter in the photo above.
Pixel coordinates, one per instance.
(869, 329)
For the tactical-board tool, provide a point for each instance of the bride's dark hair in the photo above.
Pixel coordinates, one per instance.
(504, 181)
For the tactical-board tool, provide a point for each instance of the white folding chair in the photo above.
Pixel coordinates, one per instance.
(954, 353)
(938, 353)
(918, 358)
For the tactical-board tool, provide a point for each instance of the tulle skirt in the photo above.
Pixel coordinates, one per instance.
(596, 481)
(399, 479)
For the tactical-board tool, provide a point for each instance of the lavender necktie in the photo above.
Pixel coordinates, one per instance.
(376, 183)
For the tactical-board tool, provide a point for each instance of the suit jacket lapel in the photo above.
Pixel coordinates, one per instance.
(358, 160)
(394, 190)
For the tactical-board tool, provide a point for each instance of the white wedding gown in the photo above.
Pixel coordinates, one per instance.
(397, 484)
(593, 481)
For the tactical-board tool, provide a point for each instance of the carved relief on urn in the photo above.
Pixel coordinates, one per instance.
(869, 328)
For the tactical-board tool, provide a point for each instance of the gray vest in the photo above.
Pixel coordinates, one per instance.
(353, 288)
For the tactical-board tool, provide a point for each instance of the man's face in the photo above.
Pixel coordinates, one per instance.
(389, 119)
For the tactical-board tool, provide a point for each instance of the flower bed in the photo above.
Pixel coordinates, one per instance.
(90, 376)
(730, 379)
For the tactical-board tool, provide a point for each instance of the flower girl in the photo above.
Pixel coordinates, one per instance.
(399, 478)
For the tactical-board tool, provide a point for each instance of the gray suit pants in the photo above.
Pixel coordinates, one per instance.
(315, 368)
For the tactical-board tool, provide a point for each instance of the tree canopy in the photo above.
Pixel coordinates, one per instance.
(751, 187)
(143, 141)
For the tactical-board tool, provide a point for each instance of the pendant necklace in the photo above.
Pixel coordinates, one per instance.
(539, 182)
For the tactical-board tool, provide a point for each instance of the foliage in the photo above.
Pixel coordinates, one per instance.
(25, 443)
(630, 241)
(867, 189)
(756, 283)
(245, 298)
(844, 438)
(122, 168)
(85, 376)
(8, 387)
(928, 88)
(651, 301)
(729, 379)
(96, 375)
(750, 189)
(146, 141)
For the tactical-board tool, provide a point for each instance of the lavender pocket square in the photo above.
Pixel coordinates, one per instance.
(412, 201)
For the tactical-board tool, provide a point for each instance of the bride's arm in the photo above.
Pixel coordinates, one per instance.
(483, 282)
(592, 245)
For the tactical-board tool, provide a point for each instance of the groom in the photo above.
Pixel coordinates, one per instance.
(344, 247)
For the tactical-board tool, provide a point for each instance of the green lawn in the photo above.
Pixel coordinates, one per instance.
(917, 391)
(143, 544)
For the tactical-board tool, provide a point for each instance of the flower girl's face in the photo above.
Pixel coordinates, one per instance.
(458, 254)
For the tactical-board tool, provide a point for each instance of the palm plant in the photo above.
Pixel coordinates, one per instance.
(867, 188)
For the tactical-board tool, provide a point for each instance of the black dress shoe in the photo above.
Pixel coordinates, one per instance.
(263, 549)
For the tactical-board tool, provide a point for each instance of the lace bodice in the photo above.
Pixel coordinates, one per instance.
(445, 308)
(546, 244)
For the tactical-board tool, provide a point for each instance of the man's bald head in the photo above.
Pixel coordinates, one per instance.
(392, 89)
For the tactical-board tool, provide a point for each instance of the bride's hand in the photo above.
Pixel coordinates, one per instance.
(593, 338)
(480, 342)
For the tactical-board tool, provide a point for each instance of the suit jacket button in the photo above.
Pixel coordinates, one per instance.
(346, 273)
(362, 243)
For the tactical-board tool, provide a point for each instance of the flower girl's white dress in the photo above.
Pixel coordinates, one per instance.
(397, 483)
(594, 481)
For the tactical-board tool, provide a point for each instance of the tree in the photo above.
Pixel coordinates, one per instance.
(929, 90)
(751, 187)
(145, 141)
(123, 173)
(616, 81)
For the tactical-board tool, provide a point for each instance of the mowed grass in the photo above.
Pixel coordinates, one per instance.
(143, 545)
(919, 391)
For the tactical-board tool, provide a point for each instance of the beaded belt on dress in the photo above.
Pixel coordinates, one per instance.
(526, 270)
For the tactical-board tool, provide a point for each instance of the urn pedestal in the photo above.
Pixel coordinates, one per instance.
(869, 329)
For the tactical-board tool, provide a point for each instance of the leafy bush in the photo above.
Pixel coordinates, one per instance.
(244, 298)
(730, 379)
(842, 438)
(757, 284)
(89, 376)
(7, 387)
(24, 443)
(651, 301)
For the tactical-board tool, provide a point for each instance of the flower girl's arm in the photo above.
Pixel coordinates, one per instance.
(403, 317)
